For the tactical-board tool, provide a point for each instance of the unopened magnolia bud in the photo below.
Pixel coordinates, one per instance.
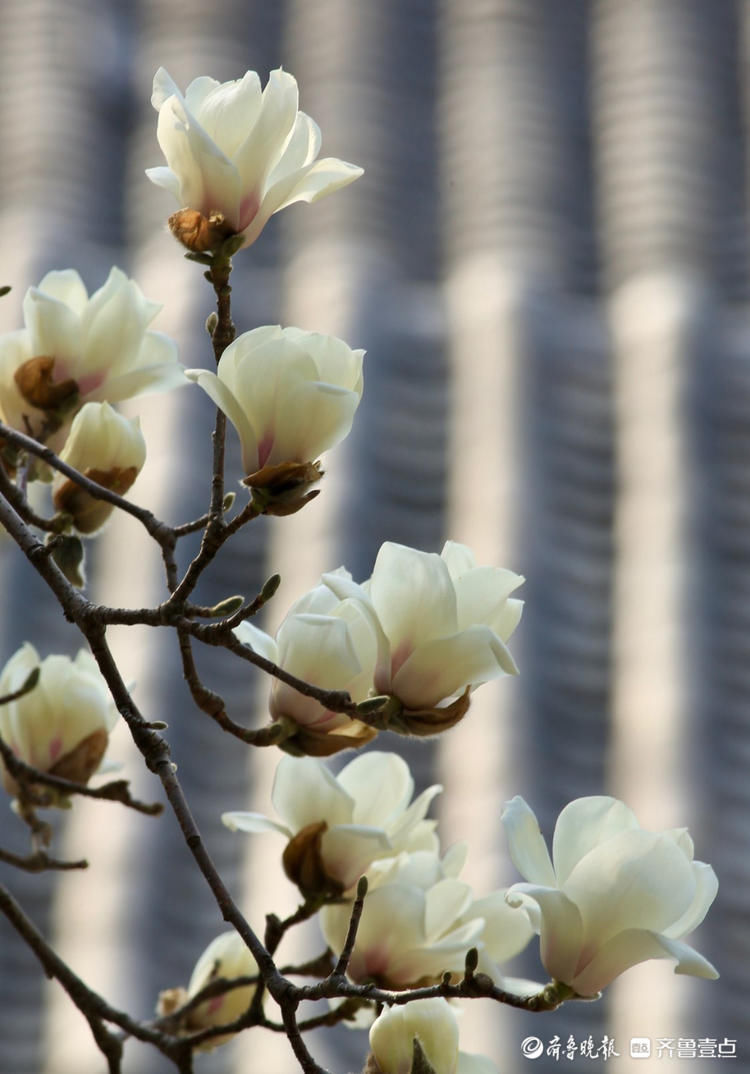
(62, 724)
(228, 502)
(35, 381)
(107, 448)
(211, 322)
(228, 606)
(270, 586)
(420, 1037)
(198, 233)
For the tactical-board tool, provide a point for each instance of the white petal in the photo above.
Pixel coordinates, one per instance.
(221, 395)
(506, 932)
(582, 825)
(413, 596)
(239, 821)
(560, 926)
(444, 904)
(55, 328)
(66, 286)
(637, 879)
(347, 851)
(314, 418)
(630, 947)
(262, 148)
(482, 594)
(440, 669)
(226, 111)
(528, 850)
(322, 178)
(258, 640)
(380, 785)
(305, 792)
(706, 888)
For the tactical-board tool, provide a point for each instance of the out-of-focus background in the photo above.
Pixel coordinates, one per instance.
(547, 261)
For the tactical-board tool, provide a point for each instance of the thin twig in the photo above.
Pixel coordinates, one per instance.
(342, 964)
(115, 791)
(39, 862)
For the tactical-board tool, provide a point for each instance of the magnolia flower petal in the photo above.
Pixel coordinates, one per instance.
(319, 179)
(226, 111)
(635, 879)
(239, 821)
(528, 851)
(481, 596)
(582, 825)
(301, 149)
(445, 901)
(630, 947)
(430, 1021)
(209, 181)
(342, 586)
(447, 953)
(380, 785)
(67, 287)
(413, 596)
(706, 888)
(219, 394)
(444, 667)
(157, 370)
(318, 648)
(348, 849)
(55, 328)
(258, 640)
(315, 417)
(561, 927)
(414, 814)
(263, 146)
(118, 310)
(305, 792)
(506, 932)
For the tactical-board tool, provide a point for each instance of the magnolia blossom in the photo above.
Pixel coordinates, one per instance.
(332, 647)
(106, 447)
(226, 957)
(237, 155)
(75, 349)
(290, 395)
(338, 825)
(433, 1023)
(442, 624)
(612, 895)
(61, 725)
(410, 930)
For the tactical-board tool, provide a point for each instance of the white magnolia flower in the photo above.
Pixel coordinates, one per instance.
(75, 349)
(291, 395)
(226, 956)
(61, 725)
(339, 825)
(241, 153)
(433, 1023)
(334, 650)
(410, 930)
(443, 622)
(612, 895)
(105, 446)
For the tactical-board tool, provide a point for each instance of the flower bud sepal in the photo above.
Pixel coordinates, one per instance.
(283, 488)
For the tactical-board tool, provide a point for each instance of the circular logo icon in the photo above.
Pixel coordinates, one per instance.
(531, 1047)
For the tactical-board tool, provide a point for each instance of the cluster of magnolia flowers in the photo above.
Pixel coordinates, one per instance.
(611, 895)
(235, 156)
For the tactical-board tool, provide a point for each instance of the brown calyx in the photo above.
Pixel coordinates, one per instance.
(198, 233)
(34, 380)
(87, 511)
(284, 488)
